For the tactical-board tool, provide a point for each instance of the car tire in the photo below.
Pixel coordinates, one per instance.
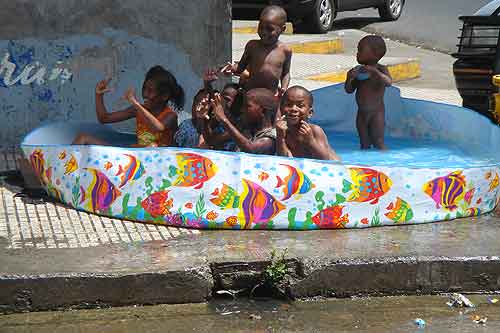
(391, 9)
(321, 20)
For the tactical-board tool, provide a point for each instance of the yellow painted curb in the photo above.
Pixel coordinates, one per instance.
(253, 29)
(399, 72)
(319, 47)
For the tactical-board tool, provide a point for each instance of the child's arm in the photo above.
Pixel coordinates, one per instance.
(380, 73)
(102, 114)
(264, 145)
(314, 138)
(281, 146)
(285, 74)
(170, 121)
(351, 84)
(239, 67)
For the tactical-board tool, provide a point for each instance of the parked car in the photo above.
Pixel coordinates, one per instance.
(478, 61)
(318, 15)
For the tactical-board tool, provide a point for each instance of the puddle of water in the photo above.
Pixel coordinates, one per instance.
(387, 314)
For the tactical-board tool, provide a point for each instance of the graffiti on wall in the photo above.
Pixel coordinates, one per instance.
(13, 74)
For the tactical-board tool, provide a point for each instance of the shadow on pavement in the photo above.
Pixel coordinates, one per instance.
(354, 22)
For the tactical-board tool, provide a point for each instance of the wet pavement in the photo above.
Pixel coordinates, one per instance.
(387, 314)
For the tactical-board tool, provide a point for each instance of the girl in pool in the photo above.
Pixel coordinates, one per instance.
(156, 121)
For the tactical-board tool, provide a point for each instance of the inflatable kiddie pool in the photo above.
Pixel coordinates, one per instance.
(442, 164)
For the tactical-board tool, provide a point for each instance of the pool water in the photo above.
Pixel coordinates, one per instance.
(410, 153)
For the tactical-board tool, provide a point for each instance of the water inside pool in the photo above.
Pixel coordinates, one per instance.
(406, 152)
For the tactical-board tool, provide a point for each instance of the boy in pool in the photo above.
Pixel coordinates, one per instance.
(267, 59)
(260, 108)
(295, 136)
(369, 80)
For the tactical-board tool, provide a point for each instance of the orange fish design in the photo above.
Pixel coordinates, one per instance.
(331, 218)
(189, 205)
(263, 176)
(70, 166)
(193, 170)
(212, 215)
(232, 221)
(158, 204)
(62, 155)
(367, 185)
(108, 165)
(364, 220)
(132, 171)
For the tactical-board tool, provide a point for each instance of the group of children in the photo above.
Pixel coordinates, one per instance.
(260, 114)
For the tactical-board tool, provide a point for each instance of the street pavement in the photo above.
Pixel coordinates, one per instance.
(52, 256)
(431, 23)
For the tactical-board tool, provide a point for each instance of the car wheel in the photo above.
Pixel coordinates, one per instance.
(391, 10)
(322, 17)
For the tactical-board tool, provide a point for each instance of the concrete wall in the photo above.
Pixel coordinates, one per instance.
(53, 52)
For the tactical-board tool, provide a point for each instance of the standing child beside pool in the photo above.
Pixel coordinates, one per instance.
(369, 81)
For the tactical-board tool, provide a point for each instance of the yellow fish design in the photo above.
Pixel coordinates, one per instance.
(494, 182)
(193, 170)
(70, 166)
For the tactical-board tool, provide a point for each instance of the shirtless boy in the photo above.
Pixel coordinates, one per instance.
(296, 137)
(267, 59)
(369, 80)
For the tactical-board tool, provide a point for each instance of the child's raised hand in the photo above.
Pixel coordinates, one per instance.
(305, 132)
(228, 69)
(353, 73)
(202, 109)
(219, 113)
(102, 87)
(210, 76)
(281, 126)
(130, 96)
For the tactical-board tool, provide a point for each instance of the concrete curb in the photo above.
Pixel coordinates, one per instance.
(252, 29)
(20, 293)
(308, 278)
(406, 70)
(331, 46)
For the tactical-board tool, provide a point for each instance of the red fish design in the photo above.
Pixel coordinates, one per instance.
(331, 218)
(158, 204)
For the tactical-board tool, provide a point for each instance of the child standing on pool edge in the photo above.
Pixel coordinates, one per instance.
(267, 59)
(156, 120)
(369, 81)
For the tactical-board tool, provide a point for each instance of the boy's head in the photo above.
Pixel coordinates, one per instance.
(272, 24)
(297, 105)
(370, 50)
(260, 105)
(160, 86)
(233, 97)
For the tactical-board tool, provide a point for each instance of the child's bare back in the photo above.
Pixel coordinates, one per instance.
(369, 80)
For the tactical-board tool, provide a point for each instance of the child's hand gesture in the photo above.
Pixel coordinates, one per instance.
(229, 69)
(130, 96)
(102, 87)
(281, 126)
(305, 132)
(202, 109)
(219, 113)
(353, 73)
(210, 76)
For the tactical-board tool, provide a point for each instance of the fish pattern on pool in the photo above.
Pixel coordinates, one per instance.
(215, 190)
